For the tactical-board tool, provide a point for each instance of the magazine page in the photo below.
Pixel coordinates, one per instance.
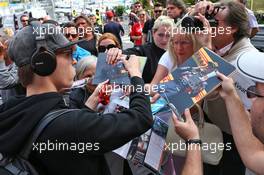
(195, 79)
(115, 73)
(156, 145)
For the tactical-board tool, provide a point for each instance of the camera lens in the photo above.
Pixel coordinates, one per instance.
(191, 23)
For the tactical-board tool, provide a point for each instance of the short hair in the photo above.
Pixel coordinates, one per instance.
(158, 4)
(243, 1)
(178, 3)
(162, 21)
(25, 75)
(84, 64)
(51, 21)
(85, 18)
(68, 24)
(91, 15)
(237, 17)
(138, 2)
(109, 36)
(24, 15)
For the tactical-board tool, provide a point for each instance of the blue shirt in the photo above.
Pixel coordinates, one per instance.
(79, 53)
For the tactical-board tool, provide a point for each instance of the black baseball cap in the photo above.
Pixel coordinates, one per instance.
(23, 45)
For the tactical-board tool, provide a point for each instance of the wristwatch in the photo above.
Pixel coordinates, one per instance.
(193, 141)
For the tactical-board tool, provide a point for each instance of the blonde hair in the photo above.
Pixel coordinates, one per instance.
(191, 36)
(162, 21)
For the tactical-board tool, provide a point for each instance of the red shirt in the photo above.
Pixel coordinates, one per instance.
(136, 30)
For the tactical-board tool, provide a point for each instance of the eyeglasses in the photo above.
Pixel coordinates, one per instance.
(68, 51)
(252, 92)
(24, 20)
(157, 11)
(67, 35)
(104, 48)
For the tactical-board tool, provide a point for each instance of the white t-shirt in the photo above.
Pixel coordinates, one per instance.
(166, 61)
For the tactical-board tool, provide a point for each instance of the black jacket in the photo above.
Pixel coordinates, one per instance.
(82, 127)
(153, 54)
(78, 97)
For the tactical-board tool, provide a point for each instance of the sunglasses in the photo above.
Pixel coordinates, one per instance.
(158, 11)
(68, 51)
(72, 35)
(24, 20)
(252, 92)
(104, 48)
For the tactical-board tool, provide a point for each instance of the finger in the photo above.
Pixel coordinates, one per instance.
(188, 115)
(119, 55)
(175, 119)
(221, 76)
(155, 98)
(109, 56)
(102, 84)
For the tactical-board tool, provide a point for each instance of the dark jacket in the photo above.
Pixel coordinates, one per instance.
(78, 98)
(83, 127)
(153, 54)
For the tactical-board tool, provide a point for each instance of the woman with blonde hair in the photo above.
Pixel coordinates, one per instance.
(182, 46)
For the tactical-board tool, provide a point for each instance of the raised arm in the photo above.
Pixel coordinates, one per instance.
(249, 147)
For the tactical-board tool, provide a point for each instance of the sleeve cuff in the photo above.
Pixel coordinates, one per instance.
(136, 81)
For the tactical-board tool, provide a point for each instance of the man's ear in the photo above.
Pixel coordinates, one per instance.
(234, 29)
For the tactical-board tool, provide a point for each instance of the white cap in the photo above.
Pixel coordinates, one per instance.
(251, 65)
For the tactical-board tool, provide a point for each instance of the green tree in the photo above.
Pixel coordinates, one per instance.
(119, 10)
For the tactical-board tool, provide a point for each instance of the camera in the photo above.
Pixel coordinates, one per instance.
(191, 23)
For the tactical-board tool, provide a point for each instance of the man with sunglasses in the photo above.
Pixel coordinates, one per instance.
(147, 30)
(70, 32)
(24, 20)
(247, 127)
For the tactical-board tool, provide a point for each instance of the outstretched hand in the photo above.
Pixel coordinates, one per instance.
(188, 129)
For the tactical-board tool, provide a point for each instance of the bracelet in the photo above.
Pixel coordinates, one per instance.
(193, 141)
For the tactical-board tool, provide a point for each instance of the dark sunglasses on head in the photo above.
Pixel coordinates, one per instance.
(72, 35)
(253, 93)
(104, 48)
